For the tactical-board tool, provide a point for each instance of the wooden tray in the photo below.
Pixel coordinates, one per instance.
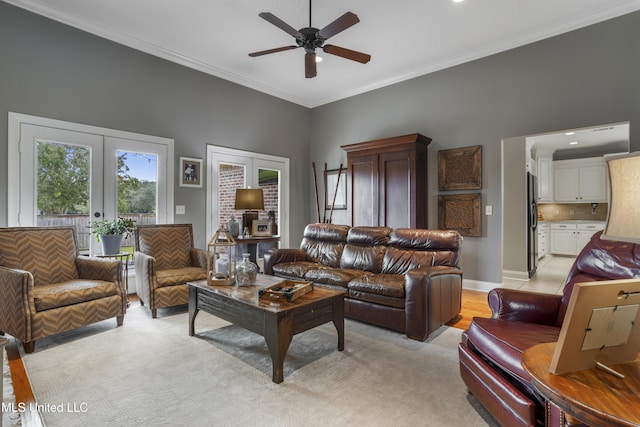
(288, 290)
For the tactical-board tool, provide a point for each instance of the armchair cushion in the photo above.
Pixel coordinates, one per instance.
(504, 341)
(49, 257)
(170, 246)
(180, 276)
(71, 292)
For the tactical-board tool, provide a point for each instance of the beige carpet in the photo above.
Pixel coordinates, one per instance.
(151, 373)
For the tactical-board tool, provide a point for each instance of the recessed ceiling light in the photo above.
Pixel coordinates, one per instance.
(573, 143)
(570, 133)
(457, 1)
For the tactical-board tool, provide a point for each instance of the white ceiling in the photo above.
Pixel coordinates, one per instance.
(406, 38)
(613, 138)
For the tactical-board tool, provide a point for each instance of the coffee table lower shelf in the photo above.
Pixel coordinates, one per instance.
(277, 322)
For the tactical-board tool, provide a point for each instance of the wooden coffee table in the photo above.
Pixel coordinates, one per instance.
(276, 321)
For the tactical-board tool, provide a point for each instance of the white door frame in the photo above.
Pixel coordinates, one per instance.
(16, 120)
(214, 153)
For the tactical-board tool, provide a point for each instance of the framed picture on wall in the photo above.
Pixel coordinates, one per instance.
(190, 172)
(334, 188)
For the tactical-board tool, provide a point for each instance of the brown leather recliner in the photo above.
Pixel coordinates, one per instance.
(491, 349)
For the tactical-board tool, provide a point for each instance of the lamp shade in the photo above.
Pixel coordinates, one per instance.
(249, 198)
(623, 221)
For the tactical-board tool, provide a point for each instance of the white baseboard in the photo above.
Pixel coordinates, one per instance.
(477, 285)
(515, 275)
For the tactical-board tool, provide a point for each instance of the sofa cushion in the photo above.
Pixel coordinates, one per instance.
(180, 276)
(334, 276)
(71, 292)
(504, 341)
(385, 289)
(297, 269)
(324, 243)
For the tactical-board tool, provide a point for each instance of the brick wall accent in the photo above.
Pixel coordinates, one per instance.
(230, 178)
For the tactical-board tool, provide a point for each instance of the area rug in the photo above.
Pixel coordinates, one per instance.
(149, 372)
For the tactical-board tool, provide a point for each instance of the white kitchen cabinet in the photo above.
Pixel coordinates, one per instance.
(563, 239)
(580, 181)
(543, 239)
(568, 238)
(545, 179)
(584, 234)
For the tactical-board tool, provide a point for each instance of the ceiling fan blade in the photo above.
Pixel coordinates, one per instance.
(353, 55)
(310, 65)
(267, 16)
(268, 51)
(340, 24)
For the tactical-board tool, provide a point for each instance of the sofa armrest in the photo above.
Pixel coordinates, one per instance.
(199, 258)
(278, 256)
(145, 275)
(523, 306)
(17, 306)
(109, 270)
(433, 296)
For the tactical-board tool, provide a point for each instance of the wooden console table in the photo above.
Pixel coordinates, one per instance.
(591, 396)
(252, 243)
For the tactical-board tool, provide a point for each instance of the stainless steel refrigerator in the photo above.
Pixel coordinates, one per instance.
(532, 224)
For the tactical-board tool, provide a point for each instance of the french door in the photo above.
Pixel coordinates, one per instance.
(63, 173)
(230, 169)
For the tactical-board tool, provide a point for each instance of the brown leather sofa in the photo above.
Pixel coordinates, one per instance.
(407, 280)
(491, 349)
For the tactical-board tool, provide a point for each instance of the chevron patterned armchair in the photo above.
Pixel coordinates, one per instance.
(165, 261)
(46, 288)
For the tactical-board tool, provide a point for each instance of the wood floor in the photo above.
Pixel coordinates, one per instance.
(474, 304)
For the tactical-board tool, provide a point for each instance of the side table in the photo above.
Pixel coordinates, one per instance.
(252, 243)
(590, 396)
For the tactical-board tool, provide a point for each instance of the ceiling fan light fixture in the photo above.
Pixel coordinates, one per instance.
(311, 38)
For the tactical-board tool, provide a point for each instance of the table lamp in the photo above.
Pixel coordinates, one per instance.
(252, 200)
(623, 220)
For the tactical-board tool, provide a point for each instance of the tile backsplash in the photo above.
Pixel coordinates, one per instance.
(572, 211)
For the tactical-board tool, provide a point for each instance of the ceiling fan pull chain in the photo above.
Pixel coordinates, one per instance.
(309, 12)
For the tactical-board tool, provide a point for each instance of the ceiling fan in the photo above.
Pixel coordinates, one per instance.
(311, 38)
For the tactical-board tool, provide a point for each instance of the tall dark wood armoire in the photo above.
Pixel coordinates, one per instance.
(387, 183)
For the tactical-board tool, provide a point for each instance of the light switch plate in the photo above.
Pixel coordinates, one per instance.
(180, 210)
(488, 210)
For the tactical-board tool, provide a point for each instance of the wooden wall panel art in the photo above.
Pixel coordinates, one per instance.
(460, 168)
(460, 212)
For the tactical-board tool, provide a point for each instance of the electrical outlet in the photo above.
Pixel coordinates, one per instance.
(488, 210)
(571, 212)
(180, 210)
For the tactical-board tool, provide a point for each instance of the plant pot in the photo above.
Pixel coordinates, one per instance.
(111, 244)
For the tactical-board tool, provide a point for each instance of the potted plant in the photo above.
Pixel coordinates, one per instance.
(110, 233)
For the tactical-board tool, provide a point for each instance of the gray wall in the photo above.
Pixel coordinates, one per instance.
(586, 77)
(51, 70)
(583, 78)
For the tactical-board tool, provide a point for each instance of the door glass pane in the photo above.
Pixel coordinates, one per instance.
(269, 181)
(63, 187)
(137, 190)
(230, 178)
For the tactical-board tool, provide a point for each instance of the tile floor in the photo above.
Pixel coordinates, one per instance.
(549, 278)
